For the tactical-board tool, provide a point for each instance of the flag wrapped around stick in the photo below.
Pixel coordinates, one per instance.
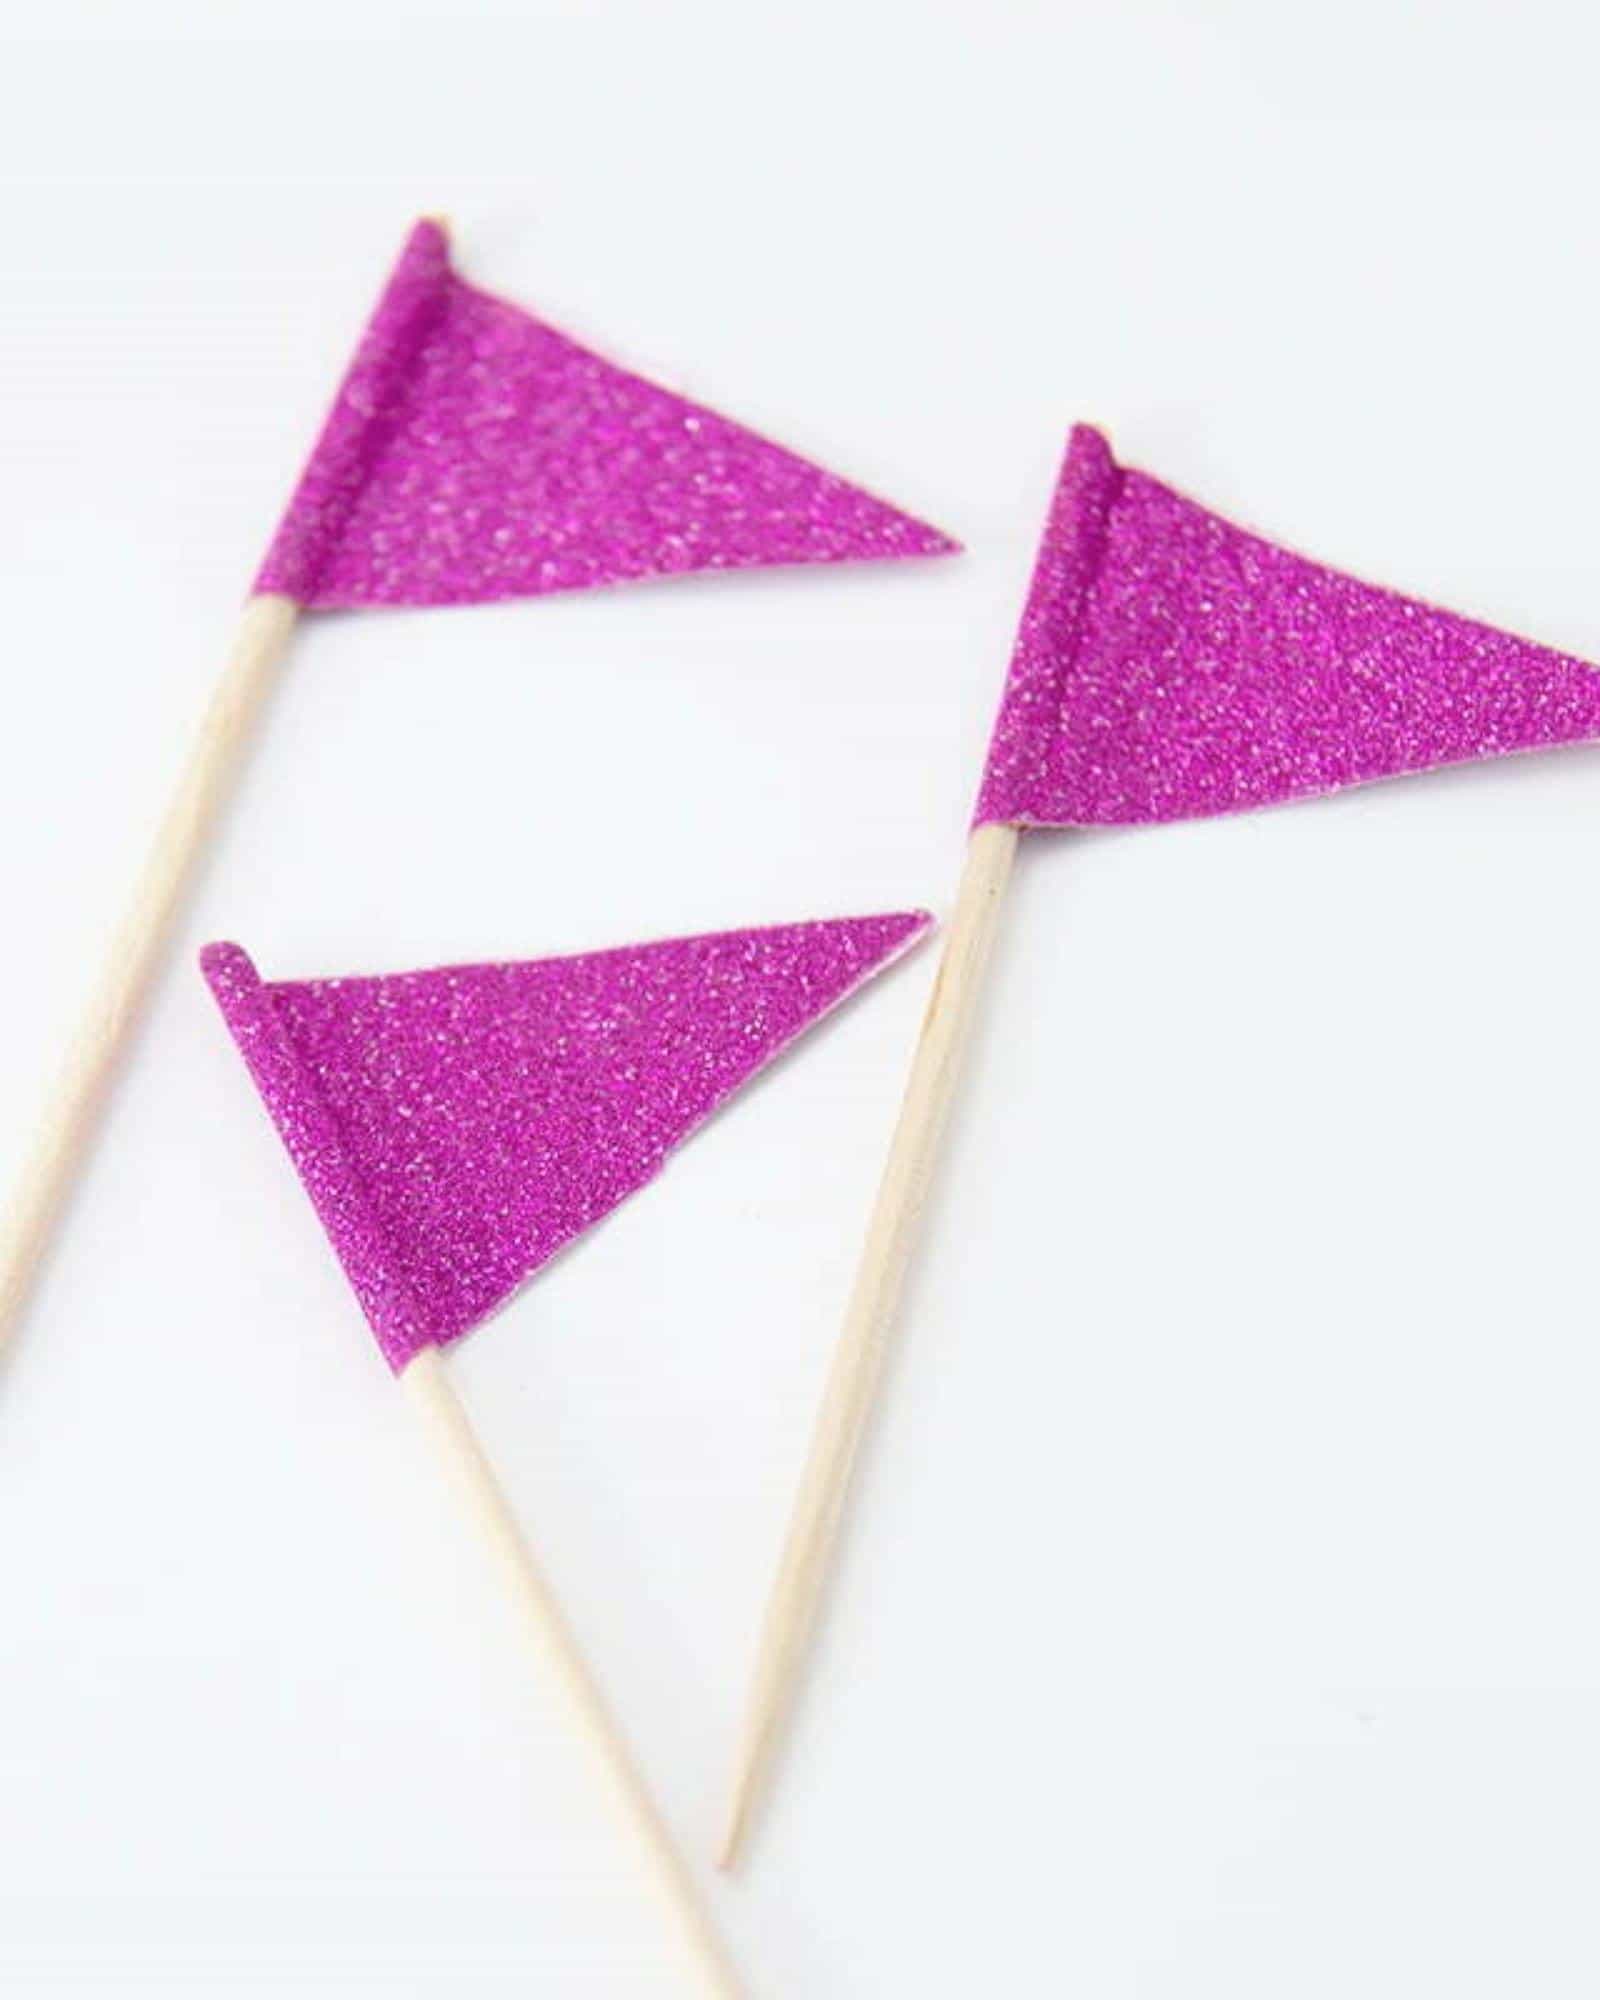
(473, 453)
(455, 1129)
(1169, 666)
(1173, 666)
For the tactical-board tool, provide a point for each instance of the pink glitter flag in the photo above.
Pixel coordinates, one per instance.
(475, 453)
(1169, 666)
(1172, 666)
(456, 1128)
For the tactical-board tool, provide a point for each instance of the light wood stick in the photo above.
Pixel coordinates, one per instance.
(858, 1359)
(428, 1384)
(91, 1063)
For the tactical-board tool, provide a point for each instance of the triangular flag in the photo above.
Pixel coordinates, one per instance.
(1169, 666)
(475, 453)
(456, 1128)
(1172, 666)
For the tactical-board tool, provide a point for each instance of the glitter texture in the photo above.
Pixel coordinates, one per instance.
(1171, 666)
(474, 453)
(456, 1128)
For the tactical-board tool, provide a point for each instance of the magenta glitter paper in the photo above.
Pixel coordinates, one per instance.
(456, 1128)
(474, 453)
(1171, 666)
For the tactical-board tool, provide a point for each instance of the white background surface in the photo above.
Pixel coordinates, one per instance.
(1220, 1616)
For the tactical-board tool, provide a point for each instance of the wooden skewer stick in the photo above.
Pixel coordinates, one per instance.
(80, 1093)
(858, 1359)
(427, 1382)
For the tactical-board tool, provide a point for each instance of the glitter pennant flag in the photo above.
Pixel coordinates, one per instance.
(1169, 666)
(1172, 666)
(475, 453)
(456, 1128)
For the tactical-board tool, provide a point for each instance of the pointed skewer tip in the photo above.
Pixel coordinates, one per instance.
(729, 1852)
